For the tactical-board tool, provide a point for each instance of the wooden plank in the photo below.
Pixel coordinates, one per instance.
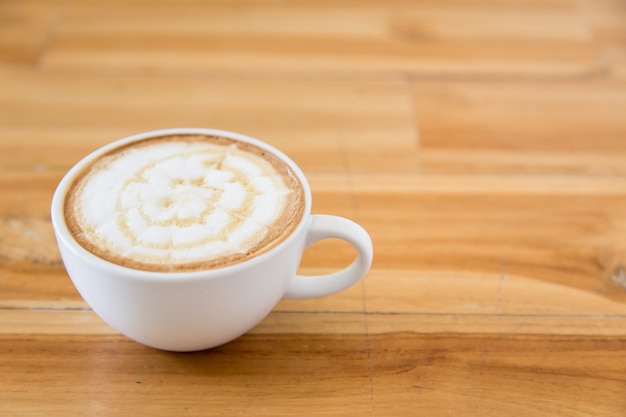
(49, 121)
(452, 292)
(522, 127)
(516, 373)
(571, 238)
(426, 368)
(346, 39)
(88, 375)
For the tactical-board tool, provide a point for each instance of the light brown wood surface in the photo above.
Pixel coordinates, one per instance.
(481, 143)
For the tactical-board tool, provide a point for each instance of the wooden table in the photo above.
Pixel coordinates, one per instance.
(481, 143)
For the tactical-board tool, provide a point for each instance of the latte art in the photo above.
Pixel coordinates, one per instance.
(184, 202)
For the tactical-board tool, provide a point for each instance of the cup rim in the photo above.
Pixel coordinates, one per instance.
(65, 237)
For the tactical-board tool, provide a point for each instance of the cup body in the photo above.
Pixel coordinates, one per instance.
(181, 311)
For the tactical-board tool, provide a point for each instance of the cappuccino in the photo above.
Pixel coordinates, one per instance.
(184, 202)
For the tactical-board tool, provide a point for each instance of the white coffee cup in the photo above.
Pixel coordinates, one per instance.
(187, 311)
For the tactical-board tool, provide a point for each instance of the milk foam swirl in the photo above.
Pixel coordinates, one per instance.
(179, 203)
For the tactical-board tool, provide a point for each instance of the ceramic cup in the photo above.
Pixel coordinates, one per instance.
(188, 311)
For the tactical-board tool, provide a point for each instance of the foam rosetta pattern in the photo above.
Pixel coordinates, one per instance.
(174, 204)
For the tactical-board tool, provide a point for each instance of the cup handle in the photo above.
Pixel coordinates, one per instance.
(322, 227)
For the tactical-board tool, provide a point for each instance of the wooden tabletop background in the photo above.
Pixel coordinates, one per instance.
(481, 143)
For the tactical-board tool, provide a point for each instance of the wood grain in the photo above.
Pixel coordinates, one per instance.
(522, 126)
(345, 39)
(481, 143)
(323, 126)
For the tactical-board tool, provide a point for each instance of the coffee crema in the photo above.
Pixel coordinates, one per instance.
(184, 202)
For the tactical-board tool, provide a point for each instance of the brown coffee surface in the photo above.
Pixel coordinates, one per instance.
(184, 203)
